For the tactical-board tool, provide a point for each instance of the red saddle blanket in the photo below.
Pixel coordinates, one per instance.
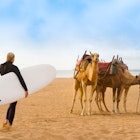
(103, 66)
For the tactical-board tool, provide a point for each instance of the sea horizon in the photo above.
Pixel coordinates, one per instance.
(70, 73)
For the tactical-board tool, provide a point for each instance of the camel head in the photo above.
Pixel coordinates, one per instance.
(94, 57)
(138, 78)
(132, 79)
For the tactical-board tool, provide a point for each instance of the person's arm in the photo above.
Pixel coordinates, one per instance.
(17, 72)
(0, 69)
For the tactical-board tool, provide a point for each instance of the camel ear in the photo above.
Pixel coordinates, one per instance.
(136, 76)
(90, 53)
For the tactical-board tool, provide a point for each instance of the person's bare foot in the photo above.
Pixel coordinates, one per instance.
(7, 125)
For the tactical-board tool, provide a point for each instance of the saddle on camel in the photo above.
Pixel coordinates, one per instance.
(104, 67)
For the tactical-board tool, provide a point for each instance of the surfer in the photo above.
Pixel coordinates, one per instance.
(4, 69)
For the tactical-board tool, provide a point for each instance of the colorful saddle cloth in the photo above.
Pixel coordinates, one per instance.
(104, 66)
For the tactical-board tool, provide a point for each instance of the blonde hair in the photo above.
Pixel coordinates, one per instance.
(10, 56)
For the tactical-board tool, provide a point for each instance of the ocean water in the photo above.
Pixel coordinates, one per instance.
(64, 73)
(135, 72)
(70, 73)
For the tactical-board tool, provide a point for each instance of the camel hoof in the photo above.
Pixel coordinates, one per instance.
(89, 113)
(82, 114)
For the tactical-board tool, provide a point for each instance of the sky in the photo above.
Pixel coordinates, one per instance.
(56, 32)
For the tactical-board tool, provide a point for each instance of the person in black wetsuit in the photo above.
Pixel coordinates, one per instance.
(4, 69)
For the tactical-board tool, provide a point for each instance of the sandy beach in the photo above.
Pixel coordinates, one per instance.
(45, 116)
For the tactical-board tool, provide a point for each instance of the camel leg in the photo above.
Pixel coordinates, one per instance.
(73, 101)
(125, 96)
(103, 100)
(76, 86)
(81, 97)
(84, 88)
(98, 98)
(114, 99)
(98, 101)
(119, 94)
(118, 100)
(90, 98)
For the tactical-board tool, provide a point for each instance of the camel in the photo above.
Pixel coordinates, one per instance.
(78, 85)
(84, 78)
(104, 81)
(127, 82)
(120, 82)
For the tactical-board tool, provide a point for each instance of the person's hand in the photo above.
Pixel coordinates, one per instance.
(26, 94)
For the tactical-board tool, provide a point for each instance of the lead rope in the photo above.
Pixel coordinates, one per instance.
(138, 100)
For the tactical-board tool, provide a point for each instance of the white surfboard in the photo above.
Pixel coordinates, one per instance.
(35, 77)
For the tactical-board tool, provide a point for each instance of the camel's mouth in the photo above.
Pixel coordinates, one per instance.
(97, 59)
(138, 80)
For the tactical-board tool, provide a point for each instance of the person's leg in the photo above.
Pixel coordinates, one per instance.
(11, 112)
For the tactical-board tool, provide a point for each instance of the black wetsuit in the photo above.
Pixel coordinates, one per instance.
(6, 68)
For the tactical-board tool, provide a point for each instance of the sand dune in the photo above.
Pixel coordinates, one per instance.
(45, 116)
